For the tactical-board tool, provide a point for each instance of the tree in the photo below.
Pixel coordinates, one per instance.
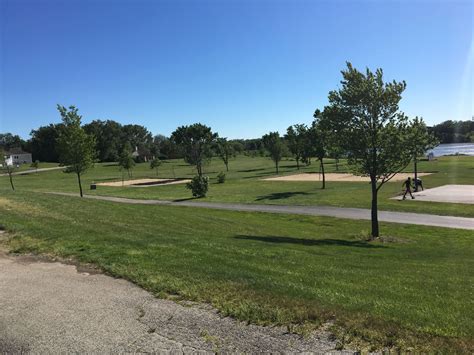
(196, 142)
(224, 150)
(274, 145)
(35, 165)
(419, 141)
(295, 137)
(155, 164)
(76, 147)
(319, 137)
(365, 114)
(6, 167)
(126, 161)
(43, 142)
(109, 138)
(9, 141)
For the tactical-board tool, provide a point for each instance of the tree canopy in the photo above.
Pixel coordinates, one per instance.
(196, 142)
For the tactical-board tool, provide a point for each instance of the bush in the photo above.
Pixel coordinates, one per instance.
(221, 178)
(198, 185)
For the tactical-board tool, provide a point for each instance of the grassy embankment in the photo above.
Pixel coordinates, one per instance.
(270, 269)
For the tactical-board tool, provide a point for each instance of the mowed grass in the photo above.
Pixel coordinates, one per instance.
(300, 271)
(244, 184)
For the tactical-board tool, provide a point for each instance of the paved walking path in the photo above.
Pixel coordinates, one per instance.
(32, 171)
(350, 213)
(52, 308)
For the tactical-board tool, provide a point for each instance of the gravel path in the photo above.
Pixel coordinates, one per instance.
(350, 213)
(50, 307)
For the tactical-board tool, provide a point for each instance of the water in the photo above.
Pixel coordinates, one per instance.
(452, 149)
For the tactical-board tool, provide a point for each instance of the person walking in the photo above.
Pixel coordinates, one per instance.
(418, 183)
(407, 186)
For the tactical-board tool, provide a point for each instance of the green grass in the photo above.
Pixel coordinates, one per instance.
(244, 184)
(269, 269)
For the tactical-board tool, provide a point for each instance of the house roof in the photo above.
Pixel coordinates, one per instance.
(15, 151)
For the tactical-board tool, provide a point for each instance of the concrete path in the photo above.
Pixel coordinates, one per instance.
(350, 213)
(445, 193)
(32, 171)
(52, 308)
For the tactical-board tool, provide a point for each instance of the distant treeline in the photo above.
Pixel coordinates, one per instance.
(111, 137)
(454, 131)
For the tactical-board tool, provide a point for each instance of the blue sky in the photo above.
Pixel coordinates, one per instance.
(243, 67)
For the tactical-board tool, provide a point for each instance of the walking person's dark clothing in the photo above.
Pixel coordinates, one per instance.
(407, 185)
(418, 183)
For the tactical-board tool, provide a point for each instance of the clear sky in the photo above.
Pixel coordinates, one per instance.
(244, 67)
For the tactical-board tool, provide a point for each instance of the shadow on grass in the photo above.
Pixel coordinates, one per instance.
(280, 195)
(251, 170)
(309, 242)
(186, 199)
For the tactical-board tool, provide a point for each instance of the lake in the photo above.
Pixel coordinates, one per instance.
(452, 149)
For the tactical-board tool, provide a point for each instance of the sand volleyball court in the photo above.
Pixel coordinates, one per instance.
(337, 177)
(143, 182)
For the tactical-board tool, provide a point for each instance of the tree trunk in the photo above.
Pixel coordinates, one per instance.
(416, 174)
(298, 163)
(324, 177)
(199, 169)
(276, 167)
(11, 180)
(374, 212)
(80, 185)
(227, 166)
(337, 164)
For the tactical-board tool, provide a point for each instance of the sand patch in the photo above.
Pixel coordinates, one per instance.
(337, 177)
(445, 193)
(144, 182)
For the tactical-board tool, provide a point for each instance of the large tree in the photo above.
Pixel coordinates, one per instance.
(76, 148)
(295, 137)
(420, 140)
(196, 142)
(364, 113)
(43, 142)
(274, 144)
(9, 141)
(109, 138)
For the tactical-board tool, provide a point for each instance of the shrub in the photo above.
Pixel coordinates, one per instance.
(198, 185)
(221, 178)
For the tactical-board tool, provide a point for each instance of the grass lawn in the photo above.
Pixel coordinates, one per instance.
(245, 185)
(269, 269)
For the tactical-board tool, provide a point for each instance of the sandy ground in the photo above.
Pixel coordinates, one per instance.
(445, 193)
(337, 177)
(51, 308)
(143, 182)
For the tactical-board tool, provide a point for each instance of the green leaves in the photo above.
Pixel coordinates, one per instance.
(76, 148)
(196, 141)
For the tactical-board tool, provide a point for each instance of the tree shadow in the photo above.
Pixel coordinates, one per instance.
(250, 170)
(309, 242)
(186, 199)
(280, 195)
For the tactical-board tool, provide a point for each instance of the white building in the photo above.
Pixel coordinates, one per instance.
(17, 157)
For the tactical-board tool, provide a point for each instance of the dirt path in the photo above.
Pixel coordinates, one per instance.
(50, 307)
(340, 212)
